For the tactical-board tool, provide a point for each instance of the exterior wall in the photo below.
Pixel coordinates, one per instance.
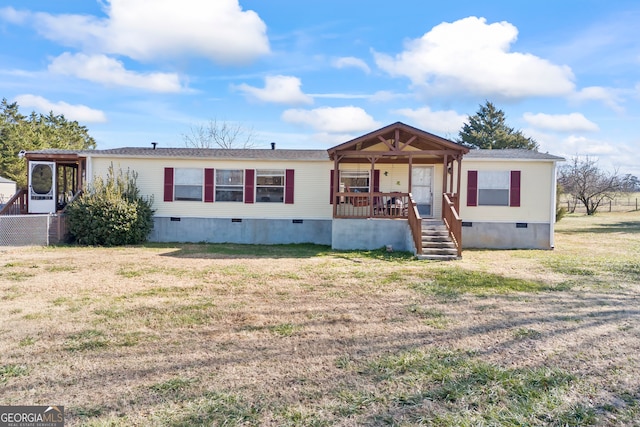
(506, 235)
(311, 189)
(537, 181)
(369, 234)
(529, 226)
(397, 178)
(248, 231)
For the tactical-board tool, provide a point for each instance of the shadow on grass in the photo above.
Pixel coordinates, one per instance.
(297, 250)
(236, 250)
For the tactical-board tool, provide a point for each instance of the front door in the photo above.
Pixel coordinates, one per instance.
(42, 187)
(421, 178)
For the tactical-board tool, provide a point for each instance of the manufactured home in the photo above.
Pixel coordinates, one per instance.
(397, 187)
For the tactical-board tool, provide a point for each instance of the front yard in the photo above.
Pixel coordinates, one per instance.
(185, 335)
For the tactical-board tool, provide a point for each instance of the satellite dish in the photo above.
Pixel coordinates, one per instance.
(21, 154)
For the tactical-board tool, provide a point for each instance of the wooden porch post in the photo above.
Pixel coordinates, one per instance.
(444, 173)
(451, 176)
(410, 181)
(371, 175)
(459, 162)
(80, 171)
(336, 185)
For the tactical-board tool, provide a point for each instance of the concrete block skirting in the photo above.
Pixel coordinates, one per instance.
(371, 234)
(506, 235)
(241, 230)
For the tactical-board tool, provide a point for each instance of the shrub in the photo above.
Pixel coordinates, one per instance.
(111, 212)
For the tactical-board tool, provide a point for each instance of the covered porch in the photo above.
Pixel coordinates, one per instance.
(54, 178)
(399, 172)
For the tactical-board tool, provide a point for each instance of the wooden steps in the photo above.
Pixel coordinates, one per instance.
(436, 242)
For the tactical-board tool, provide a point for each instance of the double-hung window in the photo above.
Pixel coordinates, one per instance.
(229, 185)
(188, 184)
(270, 186)
(493, 188)
(355, 181)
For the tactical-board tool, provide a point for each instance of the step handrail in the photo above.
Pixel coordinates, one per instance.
(17, 204)
(452, 220)
(415, 224)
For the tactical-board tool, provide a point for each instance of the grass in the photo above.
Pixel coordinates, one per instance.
(299, 335)
(12, 371)
(488, 393)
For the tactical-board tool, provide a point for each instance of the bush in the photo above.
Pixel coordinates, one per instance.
(111, 212)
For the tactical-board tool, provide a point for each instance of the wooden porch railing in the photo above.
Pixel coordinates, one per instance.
(371, 205)
(17, 205)
(415, 224)
(452, 219)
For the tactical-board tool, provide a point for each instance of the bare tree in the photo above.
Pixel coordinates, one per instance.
(217, 134)
(589, 184)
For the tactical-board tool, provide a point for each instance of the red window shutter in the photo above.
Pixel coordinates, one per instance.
(249, 185)
(472, 188)
(168, 184)
(208, 185)
(376, 181)
(331, 179)
(288, 186)
(514, 194)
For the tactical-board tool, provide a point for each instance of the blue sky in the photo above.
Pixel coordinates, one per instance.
(313, 74)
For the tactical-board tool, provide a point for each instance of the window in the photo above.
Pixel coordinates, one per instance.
(229, 185)
(493, 188)
(187, 184)
(354, 181)
(269, 186)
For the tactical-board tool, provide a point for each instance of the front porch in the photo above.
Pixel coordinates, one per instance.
(54, 179)
(399, 173)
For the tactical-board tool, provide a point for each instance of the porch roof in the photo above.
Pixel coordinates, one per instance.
(397, 142)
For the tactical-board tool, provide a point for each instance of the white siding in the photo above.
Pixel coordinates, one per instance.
(311, 189)
(536, 196)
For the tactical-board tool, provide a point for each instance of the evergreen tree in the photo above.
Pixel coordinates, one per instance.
(488, 129)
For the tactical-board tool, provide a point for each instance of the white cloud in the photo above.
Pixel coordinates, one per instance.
(573, 122)
(145, 30)
(582, 146)
(13, 16)
(385, 96)
(439, 122)
(80, 113)
(108, 71)
(607, 96)
(332, 119)
(278, 89)
(350, 61)
(472, 56)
